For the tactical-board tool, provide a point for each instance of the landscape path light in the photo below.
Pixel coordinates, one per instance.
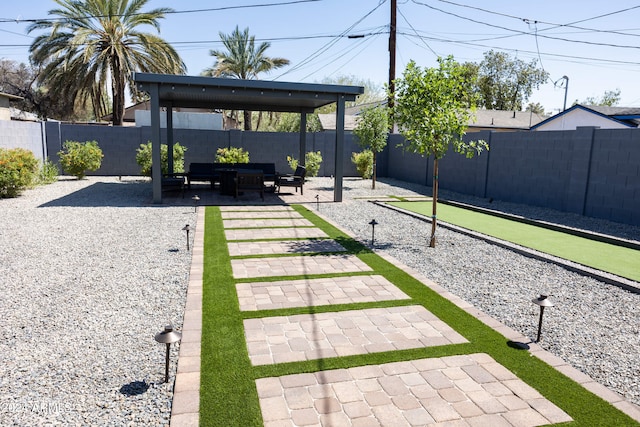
(168, 337)
(542, 301)
(187, 228)
(317, 202)
(195, 199)
(373, 224)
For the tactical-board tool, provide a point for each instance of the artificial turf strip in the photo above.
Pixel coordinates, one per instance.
(228, 395)
(622, 261)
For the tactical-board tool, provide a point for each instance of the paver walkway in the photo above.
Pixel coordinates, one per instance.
(464, 390)
(421, 392)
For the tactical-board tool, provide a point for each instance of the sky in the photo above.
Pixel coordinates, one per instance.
(594, 44)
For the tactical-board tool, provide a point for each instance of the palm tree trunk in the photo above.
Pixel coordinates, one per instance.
(117, 88)
(434, 203)
(247, 120)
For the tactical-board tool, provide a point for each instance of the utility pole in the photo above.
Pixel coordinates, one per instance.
(392, 52)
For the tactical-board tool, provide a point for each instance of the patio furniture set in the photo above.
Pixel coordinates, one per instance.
(236, 178)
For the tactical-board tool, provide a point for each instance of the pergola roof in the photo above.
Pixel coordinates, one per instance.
(236, 94)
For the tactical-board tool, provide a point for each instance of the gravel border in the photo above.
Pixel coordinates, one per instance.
(90, 271)
(594, 326)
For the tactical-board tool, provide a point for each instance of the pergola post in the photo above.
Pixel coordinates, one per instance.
(170, 138)
(156, 163)
(337, 186)
(303, 139)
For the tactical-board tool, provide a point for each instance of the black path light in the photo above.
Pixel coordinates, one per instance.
(373, 224)
(542, 301)
(168, 337)
(186, 228)
(317, 202)
(195, 199)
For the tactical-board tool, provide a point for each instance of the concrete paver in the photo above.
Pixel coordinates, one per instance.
(260, 214)
(307, 337)
(297, 266)
(284, 247)
(265, 223)
(274, 233)
(391, 398)
(316, 292)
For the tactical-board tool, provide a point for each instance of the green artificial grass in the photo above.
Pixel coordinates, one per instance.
(619, 260)
(228, 395)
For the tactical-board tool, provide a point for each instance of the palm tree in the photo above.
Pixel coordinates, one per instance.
(242, 60)
(93, 42)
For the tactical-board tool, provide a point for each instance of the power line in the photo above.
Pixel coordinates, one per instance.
(330, 44)
(171, 12)
(519, 32)
(555, 25)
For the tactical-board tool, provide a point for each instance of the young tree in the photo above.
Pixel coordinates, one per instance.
(242, 60)
(94, 41)
(372, 131)
(432, 114)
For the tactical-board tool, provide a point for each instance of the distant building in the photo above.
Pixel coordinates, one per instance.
(183, 118)
(5, 109)
(602, 117)
(493, 120)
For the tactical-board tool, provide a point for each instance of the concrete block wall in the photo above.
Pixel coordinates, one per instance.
(28, 135)
(588, 171)
(613, 189)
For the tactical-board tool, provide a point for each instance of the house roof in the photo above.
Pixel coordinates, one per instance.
(625, 116)
(236, 94)
(499, 119)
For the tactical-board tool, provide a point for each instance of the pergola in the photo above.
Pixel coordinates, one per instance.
(172, 91)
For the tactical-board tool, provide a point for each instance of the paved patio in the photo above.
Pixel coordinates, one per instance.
(468, 390)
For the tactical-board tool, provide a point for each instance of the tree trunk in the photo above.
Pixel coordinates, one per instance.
(117, 88)
(434, 203)
(373, 175)
(247, 120)
(259, 120)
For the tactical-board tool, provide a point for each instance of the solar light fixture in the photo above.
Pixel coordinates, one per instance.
(373, 224)
(543, 301)
(186, 228)
(317, 202)
(168, 337)
(195, 199)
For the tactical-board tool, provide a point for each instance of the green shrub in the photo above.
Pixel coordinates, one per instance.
(77, 158)
(144, 158)
(48, 173)
(232, 155)
(312, 160)
(18, 168)
(364, 163)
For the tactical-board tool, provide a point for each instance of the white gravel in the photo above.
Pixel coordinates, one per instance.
(89, 272)
(593, 326)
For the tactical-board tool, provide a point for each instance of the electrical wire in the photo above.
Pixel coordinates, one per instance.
(519, 32)
(414, 30)
(171, 12)
(330, 44)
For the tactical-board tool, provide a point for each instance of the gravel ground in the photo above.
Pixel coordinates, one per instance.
(89, 272)
(593, 326)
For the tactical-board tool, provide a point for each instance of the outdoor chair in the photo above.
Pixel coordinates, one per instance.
(249, 181)
(296, 180)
